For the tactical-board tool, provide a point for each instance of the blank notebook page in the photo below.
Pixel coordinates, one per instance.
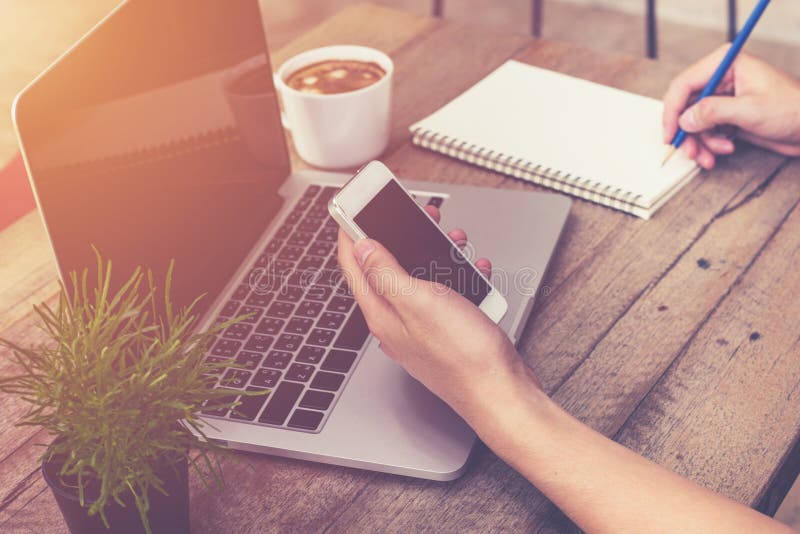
(584, 129)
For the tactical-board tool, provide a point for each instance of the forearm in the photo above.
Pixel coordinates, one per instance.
(600, 485)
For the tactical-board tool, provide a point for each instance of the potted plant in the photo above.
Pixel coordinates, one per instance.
(118, 385)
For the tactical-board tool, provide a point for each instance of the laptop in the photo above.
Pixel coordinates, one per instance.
(132, 147)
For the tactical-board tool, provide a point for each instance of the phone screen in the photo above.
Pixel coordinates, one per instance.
(393, 219)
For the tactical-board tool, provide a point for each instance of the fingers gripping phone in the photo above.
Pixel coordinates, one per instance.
(373, 204)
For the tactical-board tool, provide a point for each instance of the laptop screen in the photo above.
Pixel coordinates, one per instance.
(158, 137)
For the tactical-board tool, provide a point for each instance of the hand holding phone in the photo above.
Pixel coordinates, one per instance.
(374, 204)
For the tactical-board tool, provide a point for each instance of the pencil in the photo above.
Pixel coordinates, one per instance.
(719, 74)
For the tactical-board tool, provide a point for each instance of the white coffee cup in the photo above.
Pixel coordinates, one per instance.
(342, 129)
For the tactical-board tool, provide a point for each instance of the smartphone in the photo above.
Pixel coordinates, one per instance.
(374, 204)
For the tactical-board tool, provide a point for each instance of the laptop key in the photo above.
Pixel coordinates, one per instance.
(241, 292)
(235, 378)
(290, 293)
(280, 403)
(333, 262)
(310, 262)
(299, 325)
(339, 360)
(216, 371)
(318, 209)
(270, 326)
(327, 193)
(330, 277)
(249, 405)
(284, 231)
(253, 313)
(340, 304)
(328, 234)
(320, 248)
(226, 348)
(314, 217)
(309, 225)
(262, 281)
(319, 293)
(213, 406)
(354, 333)
(261, 300)
(277, 359)
(300, 238)
(309, 309)
(249, 360)
(327, 381)
(280, 310)
(320, 336)
(263, 260)
(273, 246)
(300, 372)
(331, 320)
(288, 342)
(309, 354)
(311, 191)
(280, 267)
(302, 278)
(238, 331)
(305, 419)
(230, 308)
(317, 400)
(266, 378)
(259, 343)
(294, 216)
(290, 253)
(344, 290)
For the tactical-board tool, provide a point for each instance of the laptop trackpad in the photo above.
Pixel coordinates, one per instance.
(397, 419)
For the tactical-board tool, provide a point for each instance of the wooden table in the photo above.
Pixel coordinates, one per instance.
(677, 336)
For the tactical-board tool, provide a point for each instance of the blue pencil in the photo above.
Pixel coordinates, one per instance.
(726, 63)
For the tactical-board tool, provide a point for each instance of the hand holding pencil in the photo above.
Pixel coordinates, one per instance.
(758, 101)
(748, 103)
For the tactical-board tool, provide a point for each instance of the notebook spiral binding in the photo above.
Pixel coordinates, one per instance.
(577, 186)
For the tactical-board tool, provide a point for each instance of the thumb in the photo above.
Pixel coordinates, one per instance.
(383, 272)
(718, 110)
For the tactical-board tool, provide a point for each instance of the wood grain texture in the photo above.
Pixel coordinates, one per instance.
(644, 329)
(737, 385)
(27, 271)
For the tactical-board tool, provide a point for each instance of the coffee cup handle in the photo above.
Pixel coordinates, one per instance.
(284, 119)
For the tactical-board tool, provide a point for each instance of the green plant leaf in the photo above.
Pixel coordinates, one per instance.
(118, 386)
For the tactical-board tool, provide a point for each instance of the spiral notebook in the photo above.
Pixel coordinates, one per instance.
(584, 139)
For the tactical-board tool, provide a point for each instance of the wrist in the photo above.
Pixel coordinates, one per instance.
(506, 404)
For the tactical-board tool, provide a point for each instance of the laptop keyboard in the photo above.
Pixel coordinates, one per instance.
(305, 333)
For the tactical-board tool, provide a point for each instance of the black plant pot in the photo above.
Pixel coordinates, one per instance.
(168, 514)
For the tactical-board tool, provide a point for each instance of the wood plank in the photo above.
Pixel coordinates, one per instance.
(20, 446)
(18, 490)
(40, 514)
(656, 330)
(363, 24)
(27, 268)
(737, 386)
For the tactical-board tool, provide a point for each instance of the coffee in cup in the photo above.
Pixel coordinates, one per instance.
(335, 76)
(337, 104)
